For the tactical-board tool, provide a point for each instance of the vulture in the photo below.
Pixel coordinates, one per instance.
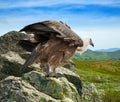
(53, 42)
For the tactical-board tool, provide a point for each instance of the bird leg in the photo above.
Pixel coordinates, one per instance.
(45, 68)
(50, 72)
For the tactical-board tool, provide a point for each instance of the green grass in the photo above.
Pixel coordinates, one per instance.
(111, 96)
(104, 74)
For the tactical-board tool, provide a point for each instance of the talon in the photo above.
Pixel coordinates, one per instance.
(52, 74)
(47, 75)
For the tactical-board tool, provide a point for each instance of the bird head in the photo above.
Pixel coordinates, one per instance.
(86, 42)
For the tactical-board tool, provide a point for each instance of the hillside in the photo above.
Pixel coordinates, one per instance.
(108, 50)
(104, 74)
(93, 55)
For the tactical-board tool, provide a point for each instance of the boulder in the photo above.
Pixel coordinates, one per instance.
(65, 88)
(58, 88)
(71, 77)
(10, 64)
(90, 93)
(14, 89)
(32, 85)
(8, 42)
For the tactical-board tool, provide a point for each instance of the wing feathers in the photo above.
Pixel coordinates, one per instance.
(54, 28)
(37, 27)
(28, 45)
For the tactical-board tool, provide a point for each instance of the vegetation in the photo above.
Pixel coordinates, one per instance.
(111, 96)
(104, 74)
(92, 55)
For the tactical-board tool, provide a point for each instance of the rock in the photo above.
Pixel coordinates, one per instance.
(33, 86)
(13, 57)
(10, 64)
(67, 100)
(14, 89)
(72, 77)
(59, 88)
(90, 93)
(8, 42)
(69, 65)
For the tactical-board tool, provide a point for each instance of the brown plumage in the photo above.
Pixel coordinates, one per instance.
(54, 42)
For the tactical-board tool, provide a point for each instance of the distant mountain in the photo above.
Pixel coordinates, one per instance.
(94, 55)
(108, 50)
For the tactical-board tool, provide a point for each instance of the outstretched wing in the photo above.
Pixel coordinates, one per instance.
(46, 30)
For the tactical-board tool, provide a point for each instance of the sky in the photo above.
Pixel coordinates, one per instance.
(97, 19)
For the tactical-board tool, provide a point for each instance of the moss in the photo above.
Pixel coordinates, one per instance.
(54, 87)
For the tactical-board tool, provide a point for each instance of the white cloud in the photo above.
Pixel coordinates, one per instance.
(103, 36)
(103, 30)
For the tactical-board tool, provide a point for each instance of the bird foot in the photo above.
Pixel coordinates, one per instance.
(50, 75)
(54, 75)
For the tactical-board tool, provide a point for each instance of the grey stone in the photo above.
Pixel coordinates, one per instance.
(14, 89)
(58, 88)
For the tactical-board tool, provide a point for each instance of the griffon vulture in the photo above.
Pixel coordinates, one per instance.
(53, 43)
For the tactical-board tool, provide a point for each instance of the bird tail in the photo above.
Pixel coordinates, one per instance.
(30, 60)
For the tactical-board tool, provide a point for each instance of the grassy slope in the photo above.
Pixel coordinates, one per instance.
(104, 74)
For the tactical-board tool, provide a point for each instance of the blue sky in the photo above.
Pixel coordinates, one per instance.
(99, 20)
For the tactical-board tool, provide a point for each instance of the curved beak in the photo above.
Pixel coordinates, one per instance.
(91, 43)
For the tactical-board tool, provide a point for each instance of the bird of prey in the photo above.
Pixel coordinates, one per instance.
(53, 43)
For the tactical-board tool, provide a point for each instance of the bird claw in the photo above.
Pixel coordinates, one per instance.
(53, 75)
(50, 75)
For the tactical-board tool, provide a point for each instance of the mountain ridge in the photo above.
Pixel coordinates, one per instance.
(108, 50)
(94, 55)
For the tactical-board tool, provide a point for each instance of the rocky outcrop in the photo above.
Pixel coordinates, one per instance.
(33, 86)
(8, 42)
(59, 88)
(90, 93)
(10, 63)
(14, 89)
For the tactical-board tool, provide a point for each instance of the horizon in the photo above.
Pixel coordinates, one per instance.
(99, 20)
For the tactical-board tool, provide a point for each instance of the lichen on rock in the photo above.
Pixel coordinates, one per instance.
(33, 86)
(14, 89)
(58, 88)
